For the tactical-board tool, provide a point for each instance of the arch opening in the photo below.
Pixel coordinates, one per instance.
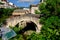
(17, 25)
(29, 26)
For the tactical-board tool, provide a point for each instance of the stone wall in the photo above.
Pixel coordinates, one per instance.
(26, 18)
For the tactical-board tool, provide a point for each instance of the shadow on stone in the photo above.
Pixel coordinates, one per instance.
(30, 26)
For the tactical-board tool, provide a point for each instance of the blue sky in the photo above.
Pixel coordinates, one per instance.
(24, 3)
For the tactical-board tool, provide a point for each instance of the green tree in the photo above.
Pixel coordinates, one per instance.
(5, 13)
(37, 12)
(50, 21)
(35, 36)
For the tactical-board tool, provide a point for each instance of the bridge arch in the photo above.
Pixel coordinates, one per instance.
(12, 21)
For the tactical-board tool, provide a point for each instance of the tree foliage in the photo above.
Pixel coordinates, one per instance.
(5, 13)
(50, 21)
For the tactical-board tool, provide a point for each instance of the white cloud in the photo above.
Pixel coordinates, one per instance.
(26, 0)
(10, 3)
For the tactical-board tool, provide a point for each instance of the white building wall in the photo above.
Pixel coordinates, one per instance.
(33, 9)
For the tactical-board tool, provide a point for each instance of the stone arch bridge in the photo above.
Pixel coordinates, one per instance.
(13, 20)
